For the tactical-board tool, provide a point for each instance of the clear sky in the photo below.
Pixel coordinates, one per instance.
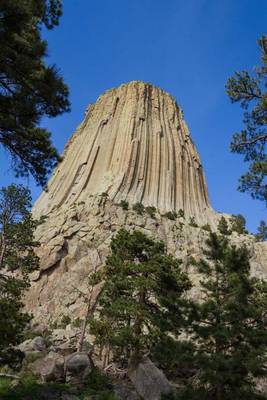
(188, 48)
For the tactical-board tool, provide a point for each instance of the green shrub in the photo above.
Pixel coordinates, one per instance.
(151, 210)
(181, 213)
(124, 204)
(99, 380)
(29, 334)
(4, 386)
(172, 215)
(206, 227)
(192, 222)
(99, 386)
(223, 227)
(77, 323)
(139, 208)
(65, 320)
(239, 224)
(27, 386)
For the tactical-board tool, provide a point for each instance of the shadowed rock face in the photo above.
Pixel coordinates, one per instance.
(133, 145)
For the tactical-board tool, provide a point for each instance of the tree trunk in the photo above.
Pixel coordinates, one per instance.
(2, 249)
(137, 328)
(3, 375)
(84, 324)
(90, 309)
(219, 393)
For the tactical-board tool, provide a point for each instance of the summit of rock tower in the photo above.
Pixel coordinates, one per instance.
(133, 145)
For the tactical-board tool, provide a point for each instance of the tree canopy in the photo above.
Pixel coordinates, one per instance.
(29, 88)
(16, 254)
(249, 89)
(228, 326)
(142, 296)
(261, 235)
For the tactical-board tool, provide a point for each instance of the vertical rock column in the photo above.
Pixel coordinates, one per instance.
(133, 145)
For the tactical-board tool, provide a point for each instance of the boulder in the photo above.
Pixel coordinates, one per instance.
(125, 391)
(64, 335)
(78, 367)
(65, 348)
(149, 382)
(35, 344)
(50, 368)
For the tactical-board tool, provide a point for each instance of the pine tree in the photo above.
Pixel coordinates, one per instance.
(249, 89)
(29, 89)
(261, 236)
(238, 224)
(142, 296)
(223, 227)
(16, 254)
(228, 326)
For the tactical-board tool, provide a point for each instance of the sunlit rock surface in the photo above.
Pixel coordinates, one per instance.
(133, 145)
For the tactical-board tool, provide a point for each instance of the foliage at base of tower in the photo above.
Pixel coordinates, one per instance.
(142, 297)
(228, 327)
(16, 255)
(223, 227)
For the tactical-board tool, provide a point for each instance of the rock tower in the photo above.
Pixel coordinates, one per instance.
(133, 145)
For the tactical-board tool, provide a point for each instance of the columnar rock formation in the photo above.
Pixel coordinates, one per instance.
(133, 145)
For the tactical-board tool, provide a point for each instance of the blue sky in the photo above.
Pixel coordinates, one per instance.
(189, 48)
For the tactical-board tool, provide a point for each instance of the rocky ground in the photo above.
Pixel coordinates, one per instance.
(53, 370)
(75, 242)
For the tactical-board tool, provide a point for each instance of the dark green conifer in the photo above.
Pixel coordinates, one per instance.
(239, 224)
(139, 208)
(228, 326)
(261, 236)
(16, 254)
(29, 88)
(223, 226)
(142, 297)
(249, 89)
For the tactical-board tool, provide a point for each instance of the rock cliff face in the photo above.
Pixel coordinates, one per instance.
(133, 145)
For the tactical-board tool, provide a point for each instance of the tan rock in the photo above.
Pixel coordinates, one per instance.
(149, 382)
(133, 145)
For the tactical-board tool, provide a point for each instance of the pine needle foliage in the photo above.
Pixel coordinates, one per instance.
(249, 89)
(228, 326)
(29, 88)
(16, 254)
(238, 224)
(142, 297)
(261, 235)
(223, 227)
